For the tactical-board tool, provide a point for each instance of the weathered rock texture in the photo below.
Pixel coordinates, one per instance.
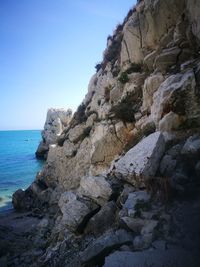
(132, 145)
(56, 121)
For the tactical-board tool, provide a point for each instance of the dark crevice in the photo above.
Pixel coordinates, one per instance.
(80, 229)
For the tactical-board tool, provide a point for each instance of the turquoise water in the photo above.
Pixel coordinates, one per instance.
(18, 165)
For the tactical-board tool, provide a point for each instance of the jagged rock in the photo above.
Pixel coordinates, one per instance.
(192, 146)
(137, 36)
(76, 133)
(42, 150)
(170, 122)
(193, 7)
(133, 224)
(130, 203)
(103, 220)
(141, 162)
(150, 59)
(167, 58)
(151, 85)
(176, 94)
(69, 148)
(103, 245)
(149, 227)
(96, 188)
(75, 212)
(176, 257)
(167, 165)
(22, 200)
(139, 225)
(142, 242)
(55, 122)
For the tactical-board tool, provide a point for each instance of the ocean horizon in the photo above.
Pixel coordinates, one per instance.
(18, 164)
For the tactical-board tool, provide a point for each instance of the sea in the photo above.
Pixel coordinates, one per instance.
(18, 164)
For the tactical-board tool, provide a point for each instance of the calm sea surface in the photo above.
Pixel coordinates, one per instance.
(18, 165)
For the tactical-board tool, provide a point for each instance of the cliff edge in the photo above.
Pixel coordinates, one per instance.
(120, 186)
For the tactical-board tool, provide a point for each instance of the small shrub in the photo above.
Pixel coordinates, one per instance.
(79, 116)
(123, 78)
(98, 66)
(99, 102)
(113, 50)
(124, 112)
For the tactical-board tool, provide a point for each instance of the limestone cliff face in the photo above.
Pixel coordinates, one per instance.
(56, 121)
(147, 81)
(137, 128)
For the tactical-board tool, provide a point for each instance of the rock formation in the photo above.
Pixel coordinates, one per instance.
(122, 179)
(56, 121)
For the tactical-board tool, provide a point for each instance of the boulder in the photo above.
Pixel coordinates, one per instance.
(103, 220)
(76, 212)
(193, 7)
(22, 200)
(176, 257)
(102, 246)
(167, 165)
(151, 85)
(141, 161)
(96, 188)
(192, 146)
(42, 151)
(133, 224)
(76, 133)
(142, 242)
(167, 58)
(129, 208)
(175, 95)
(170, 122)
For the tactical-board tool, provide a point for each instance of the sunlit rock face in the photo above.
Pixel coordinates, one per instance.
(149, 76)
(56, 121)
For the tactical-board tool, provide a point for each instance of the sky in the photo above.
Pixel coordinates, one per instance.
(48, 51)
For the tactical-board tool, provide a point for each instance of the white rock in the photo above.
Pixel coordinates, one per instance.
(150, 87)
(177, 92)
(96, 188)
(141, 161)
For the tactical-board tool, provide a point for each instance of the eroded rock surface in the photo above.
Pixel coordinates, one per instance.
(122, 176)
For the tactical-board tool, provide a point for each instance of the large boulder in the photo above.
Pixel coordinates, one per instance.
(76, 212)
(141, 162)
(102, 246)
(175, 257)
(192, 147)
(96, 188)
(103, 220)
(175, 95)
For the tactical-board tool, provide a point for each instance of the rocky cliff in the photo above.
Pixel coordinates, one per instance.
(56, 121)
(118, 186)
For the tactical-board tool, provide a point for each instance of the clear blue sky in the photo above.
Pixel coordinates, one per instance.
(48, 50)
